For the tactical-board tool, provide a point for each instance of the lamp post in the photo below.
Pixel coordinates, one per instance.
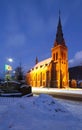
(8, 68)
(10, 60)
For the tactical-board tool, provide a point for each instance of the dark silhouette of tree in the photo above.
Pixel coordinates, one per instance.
(19, 74)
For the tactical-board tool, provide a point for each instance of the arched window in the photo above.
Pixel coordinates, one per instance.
(62, 55)
(43, 76)
(38, 77)
(56, 55)
(41, 79)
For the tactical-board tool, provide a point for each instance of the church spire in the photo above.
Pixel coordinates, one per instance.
(36, 61)
(59, 34)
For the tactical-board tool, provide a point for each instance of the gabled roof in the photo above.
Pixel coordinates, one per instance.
(44, 62)
(41, 64)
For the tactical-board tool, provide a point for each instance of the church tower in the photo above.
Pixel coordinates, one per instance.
(59, 73)
(52, 72)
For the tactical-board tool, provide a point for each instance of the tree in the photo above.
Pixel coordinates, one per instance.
(19, 74)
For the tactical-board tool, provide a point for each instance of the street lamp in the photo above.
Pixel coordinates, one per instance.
(8, 69)
(10, 59)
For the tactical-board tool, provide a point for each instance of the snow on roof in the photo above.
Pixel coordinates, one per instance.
(47, 61)
(41, 64)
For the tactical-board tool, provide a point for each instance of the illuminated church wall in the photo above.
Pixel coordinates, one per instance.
(40, 75)
(52, 72)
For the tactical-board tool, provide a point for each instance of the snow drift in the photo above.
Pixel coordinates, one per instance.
(37, 113)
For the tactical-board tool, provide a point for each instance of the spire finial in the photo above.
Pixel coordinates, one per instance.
(59, 34)
(59, 12)
(36, 61)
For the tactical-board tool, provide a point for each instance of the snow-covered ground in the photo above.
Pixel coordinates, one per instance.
(52, 90)
(40, 113)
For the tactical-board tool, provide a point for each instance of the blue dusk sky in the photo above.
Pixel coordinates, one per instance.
(28, 29)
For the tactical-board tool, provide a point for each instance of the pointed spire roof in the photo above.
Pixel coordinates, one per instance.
(36, 61)
(59, 34)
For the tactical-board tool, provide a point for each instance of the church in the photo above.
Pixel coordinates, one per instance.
(52, 72)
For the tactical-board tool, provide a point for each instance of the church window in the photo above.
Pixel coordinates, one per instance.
(56, 56)
(41, 66)
(62, 55)
(41, 79)
(38, 77)
(46, 64)
(36, 80)
(44, 83)
(47, 76)
(43, 76)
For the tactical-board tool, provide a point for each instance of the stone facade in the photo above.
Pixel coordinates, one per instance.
(52, 72)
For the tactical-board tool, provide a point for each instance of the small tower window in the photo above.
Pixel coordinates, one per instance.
(62, 55)
(56, 56)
